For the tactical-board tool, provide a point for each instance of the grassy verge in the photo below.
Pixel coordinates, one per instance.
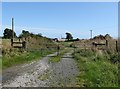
(0, 65)
(15, 58)
(58, 57)
(96, 70)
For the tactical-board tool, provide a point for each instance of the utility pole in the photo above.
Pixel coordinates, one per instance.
(12, 33)
(91, 33)
(13, 26)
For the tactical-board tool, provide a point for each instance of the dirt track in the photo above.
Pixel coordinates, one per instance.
(43, 73)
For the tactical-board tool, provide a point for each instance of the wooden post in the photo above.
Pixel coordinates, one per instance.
(94, 46)
(12, 42)
(107, 43)
(74, 46)
(116, 46)
(24, 44)
(58, 48)
(19, 39)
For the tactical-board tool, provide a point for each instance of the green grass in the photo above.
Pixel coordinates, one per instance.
(58, 57)
(0, 65)
(65, 44)
(55, 59)
(15, 58)
(96, 70)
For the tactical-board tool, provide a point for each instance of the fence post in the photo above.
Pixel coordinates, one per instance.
(107, 44)
(94, 46)
(58, 48)
(19, 39)
(74, 49)
(12, 42)
(116, 46)
(24, 44)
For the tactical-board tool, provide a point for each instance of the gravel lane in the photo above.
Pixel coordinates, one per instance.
(24, 75)
(64, 72)
(43, 73)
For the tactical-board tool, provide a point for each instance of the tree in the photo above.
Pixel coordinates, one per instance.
(39, 34)
(8, 33)
(24, 34)
(69, 36)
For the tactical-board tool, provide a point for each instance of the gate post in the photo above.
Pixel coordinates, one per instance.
(24, 44)
(107, 44)
(12, 42)
(74, 49)
(58, 48)
(116, 46)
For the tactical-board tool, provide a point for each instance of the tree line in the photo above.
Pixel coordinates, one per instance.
(8, 34)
